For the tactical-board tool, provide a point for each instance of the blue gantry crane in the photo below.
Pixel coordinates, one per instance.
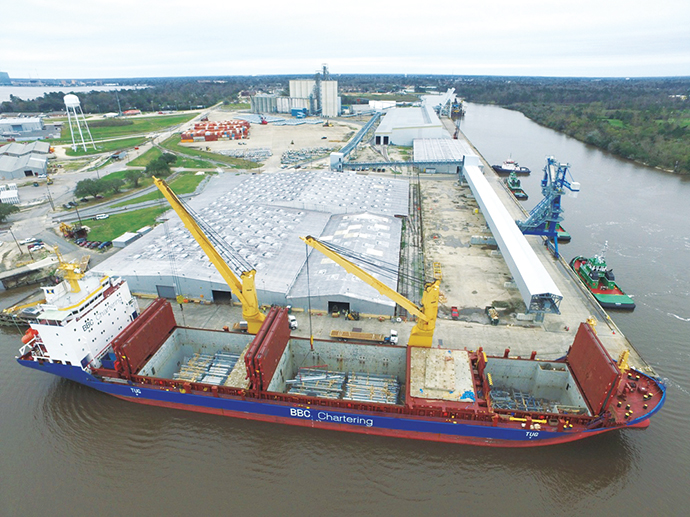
(543, 219)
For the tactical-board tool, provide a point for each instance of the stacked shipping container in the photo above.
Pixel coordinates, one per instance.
(220, 130)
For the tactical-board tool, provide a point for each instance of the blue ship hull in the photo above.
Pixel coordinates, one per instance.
(407, 426)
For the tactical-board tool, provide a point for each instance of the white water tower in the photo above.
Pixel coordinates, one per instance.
(73, 111)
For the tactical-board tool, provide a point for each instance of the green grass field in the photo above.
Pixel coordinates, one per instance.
(72, 165)
(137, 127)
(110, 146)
(186, 183)
(173, 144)
(154, 153)
(236, 106)
(142, 161)
(116, 225)
(193, 163)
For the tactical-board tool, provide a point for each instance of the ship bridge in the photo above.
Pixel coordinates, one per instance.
(538, 290)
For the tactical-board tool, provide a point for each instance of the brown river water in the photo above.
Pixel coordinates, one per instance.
(69, 450)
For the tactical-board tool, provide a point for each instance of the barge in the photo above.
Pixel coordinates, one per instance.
(97, 336)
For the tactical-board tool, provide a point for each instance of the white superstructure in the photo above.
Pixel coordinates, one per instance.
(77, 327)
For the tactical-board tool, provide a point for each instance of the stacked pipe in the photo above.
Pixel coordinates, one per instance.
(317, 383)
(207, 369)
(366, 387)
(517, 401)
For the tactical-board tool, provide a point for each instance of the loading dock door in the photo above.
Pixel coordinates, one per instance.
(166, 291)
(221, 296)
(338, 307)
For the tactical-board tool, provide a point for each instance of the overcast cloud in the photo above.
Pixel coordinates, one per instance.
(127, 38)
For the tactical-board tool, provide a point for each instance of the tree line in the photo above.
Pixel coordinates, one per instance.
(645, 120)
(160, 167)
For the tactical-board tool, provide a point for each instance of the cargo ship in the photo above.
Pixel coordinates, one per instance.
(601, 282)
(90, 330)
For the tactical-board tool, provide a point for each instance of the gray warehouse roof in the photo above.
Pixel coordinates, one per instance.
(440, 149)
(261, 217)
(416, 117)
(17, 149)
(12, 167)
(376, 236)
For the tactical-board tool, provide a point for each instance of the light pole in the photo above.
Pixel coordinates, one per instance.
(50, 198)
(78, 217)
(15, 241)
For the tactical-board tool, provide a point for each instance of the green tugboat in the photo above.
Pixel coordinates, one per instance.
(513, 184)
(601, 282)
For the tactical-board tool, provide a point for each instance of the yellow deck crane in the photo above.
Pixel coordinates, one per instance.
(242, 287)
(423, 332)
(71, 271)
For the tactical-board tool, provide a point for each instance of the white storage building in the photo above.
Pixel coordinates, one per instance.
(16, 149)
(21, 124)
(401, 126)
(29, 165)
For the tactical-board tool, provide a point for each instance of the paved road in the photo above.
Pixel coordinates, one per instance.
(42, 206)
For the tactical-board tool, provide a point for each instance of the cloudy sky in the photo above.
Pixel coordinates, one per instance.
(154, 38)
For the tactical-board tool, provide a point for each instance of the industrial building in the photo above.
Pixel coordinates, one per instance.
(318, 96)
(29, 165)
(264, 103)
(442, 154)
(261, 217)
(21, 124)
(23, 160)
(17, 150)
(321, 97)
(26, 128)
(9, 194)
(329, 286)
(401, 126)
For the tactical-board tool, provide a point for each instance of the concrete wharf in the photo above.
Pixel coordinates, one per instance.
(473, 276)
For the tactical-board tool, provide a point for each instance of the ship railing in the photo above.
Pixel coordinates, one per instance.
(36, 349)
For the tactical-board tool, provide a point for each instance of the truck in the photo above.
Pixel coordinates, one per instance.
(344, 335)
(242, 326)
(492, 313)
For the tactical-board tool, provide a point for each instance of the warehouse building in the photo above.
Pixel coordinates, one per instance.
(28, 165)
(401, 126)
(329, 287)
(261, 217)
(21, 124)
(444, 155)
(26, 128)
(16, 149)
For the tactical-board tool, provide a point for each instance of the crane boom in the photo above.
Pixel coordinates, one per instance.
(423, 332)
(243, 287)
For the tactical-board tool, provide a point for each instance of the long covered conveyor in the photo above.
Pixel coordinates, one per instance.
(538, 290)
